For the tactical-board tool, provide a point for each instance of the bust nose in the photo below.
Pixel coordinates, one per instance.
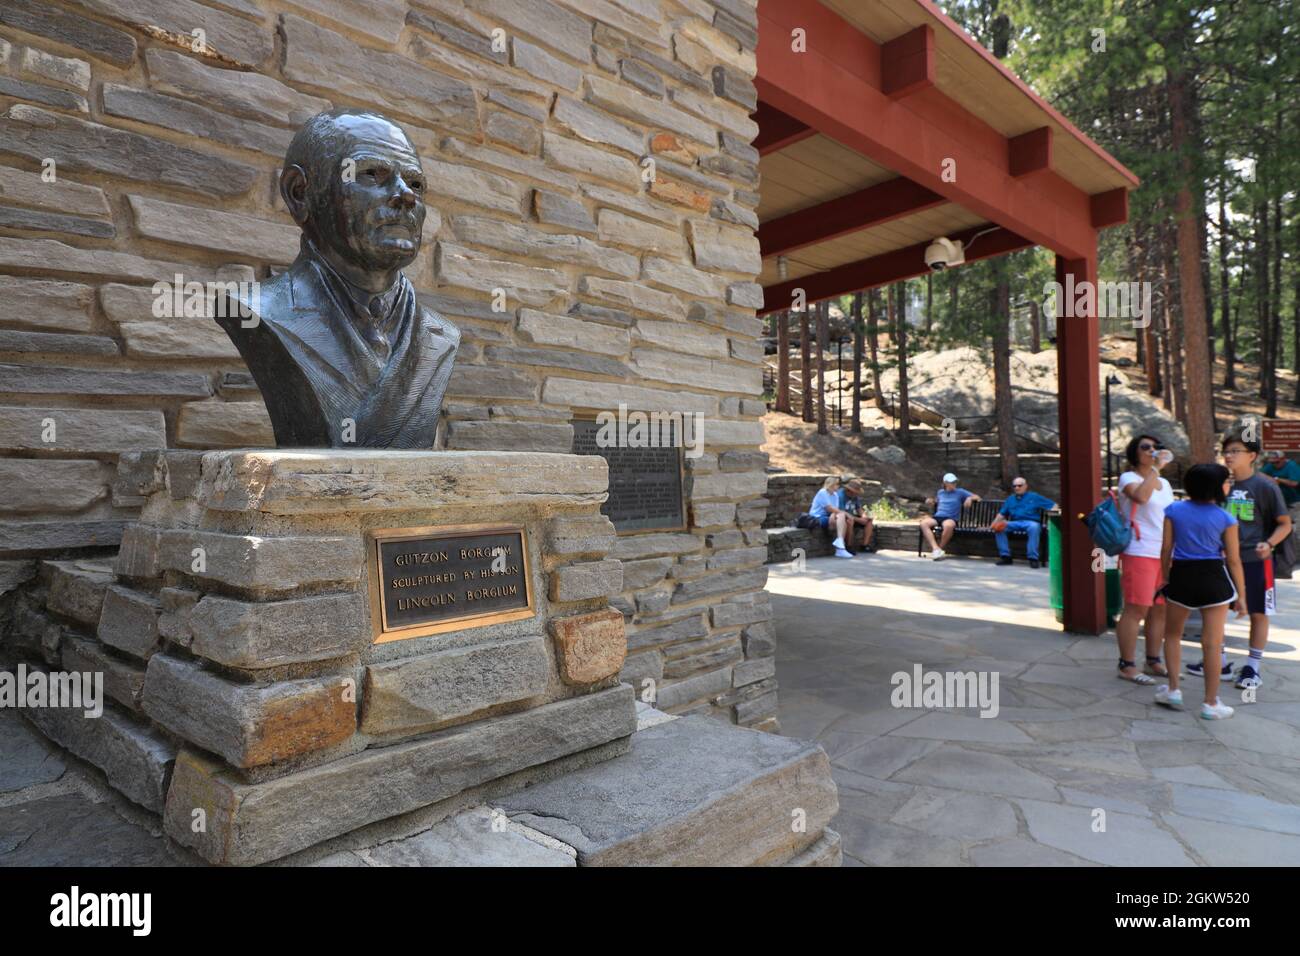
(403, 195)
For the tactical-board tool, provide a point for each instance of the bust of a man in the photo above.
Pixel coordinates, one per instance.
(343, 353)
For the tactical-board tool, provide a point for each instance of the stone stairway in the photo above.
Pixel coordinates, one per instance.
(975, 459)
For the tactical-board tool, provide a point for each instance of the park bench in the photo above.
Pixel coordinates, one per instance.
(977, 520)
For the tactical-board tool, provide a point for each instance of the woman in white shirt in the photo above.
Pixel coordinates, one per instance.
(1144, 495)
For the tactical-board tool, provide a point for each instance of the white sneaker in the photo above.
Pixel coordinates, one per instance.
(937, 553)
(838, 544)
(1216, 711)
(1173, 699)
(841, 553)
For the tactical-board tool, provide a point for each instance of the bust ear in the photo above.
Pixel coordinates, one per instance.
(293, 190)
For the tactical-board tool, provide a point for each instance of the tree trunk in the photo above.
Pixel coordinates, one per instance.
(855, 426)
(1000, 309)
(823, 321)
(1225, 295)
(1264, 322)
(1275, 310)
(783, 361)
(929, 302)
(873, 342)
(805, 368)
(904, 409)
(1035, 331)
(1178, 351)
(1153, 367)
(1171, 345)
(1295, 328)
(954, 279)
(1199, 414)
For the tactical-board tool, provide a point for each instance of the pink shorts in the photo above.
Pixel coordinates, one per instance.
(1139, 577)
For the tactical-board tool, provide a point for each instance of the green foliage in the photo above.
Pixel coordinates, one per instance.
(883, 509)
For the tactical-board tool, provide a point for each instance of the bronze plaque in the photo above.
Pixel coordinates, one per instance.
(645, 483)
(431, 580)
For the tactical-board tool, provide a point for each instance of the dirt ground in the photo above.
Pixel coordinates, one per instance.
(794, 446)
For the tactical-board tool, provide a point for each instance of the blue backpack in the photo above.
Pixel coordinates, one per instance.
(1107, 527)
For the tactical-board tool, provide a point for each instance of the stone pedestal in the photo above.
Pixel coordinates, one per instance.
(306, 649)
(250, 594)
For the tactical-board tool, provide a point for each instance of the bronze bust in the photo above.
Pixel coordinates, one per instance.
(344, 355)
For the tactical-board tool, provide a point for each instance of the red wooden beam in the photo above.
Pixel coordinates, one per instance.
(777, 130)
(1079, 416)
(837, 217)
(1030, 152)
(834, 86)
(907, 62)
(1039, 103)
(905, 263)
(1109, 208)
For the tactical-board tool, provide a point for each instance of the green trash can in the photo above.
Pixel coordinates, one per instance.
(1056, 588)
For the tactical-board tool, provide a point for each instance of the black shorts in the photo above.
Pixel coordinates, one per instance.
(1199, 584)
(1261, 596)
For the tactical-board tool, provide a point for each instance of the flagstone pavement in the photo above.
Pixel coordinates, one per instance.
(1077, 768)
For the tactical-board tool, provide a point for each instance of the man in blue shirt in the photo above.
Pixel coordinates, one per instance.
(948, 502)
(1022, 512)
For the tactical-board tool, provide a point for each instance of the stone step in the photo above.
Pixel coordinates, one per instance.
(692, 791)
(251, 823)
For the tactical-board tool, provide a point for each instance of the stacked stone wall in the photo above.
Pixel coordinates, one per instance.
(592, 200)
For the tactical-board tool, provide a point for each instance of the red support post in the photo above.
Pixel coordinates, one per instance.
(1079, 402)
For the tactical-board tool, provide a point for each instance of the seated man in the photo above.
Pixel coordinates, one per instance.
(827, 513)
(1287, 475)
(851, 504)
(1023, 512)
(948, 502)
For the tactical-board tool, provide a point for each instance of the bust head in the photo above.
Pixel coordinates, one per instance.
(353, 181)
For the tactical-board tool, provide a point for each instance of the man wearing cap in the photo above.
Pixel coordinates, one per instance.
(948, 502)
(1023, 512)
(1287, 475)
(851, 504)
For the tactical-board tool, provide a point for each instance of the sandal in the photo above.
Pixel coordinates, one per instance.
(1136, 678)
(1153, 663)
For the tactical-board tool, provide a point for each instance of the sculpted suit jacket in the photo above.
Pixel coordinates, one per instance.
(311, 358)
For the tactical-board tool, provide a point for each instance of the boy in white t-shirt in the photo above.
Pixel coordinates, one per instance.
(1144, 495)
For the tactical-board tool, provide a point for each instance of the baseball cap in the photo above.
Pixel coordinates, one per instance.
(1273, 453)
(950, 477)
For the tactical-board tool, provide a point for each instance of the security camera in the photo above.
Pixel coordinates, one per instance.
(944, 252)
